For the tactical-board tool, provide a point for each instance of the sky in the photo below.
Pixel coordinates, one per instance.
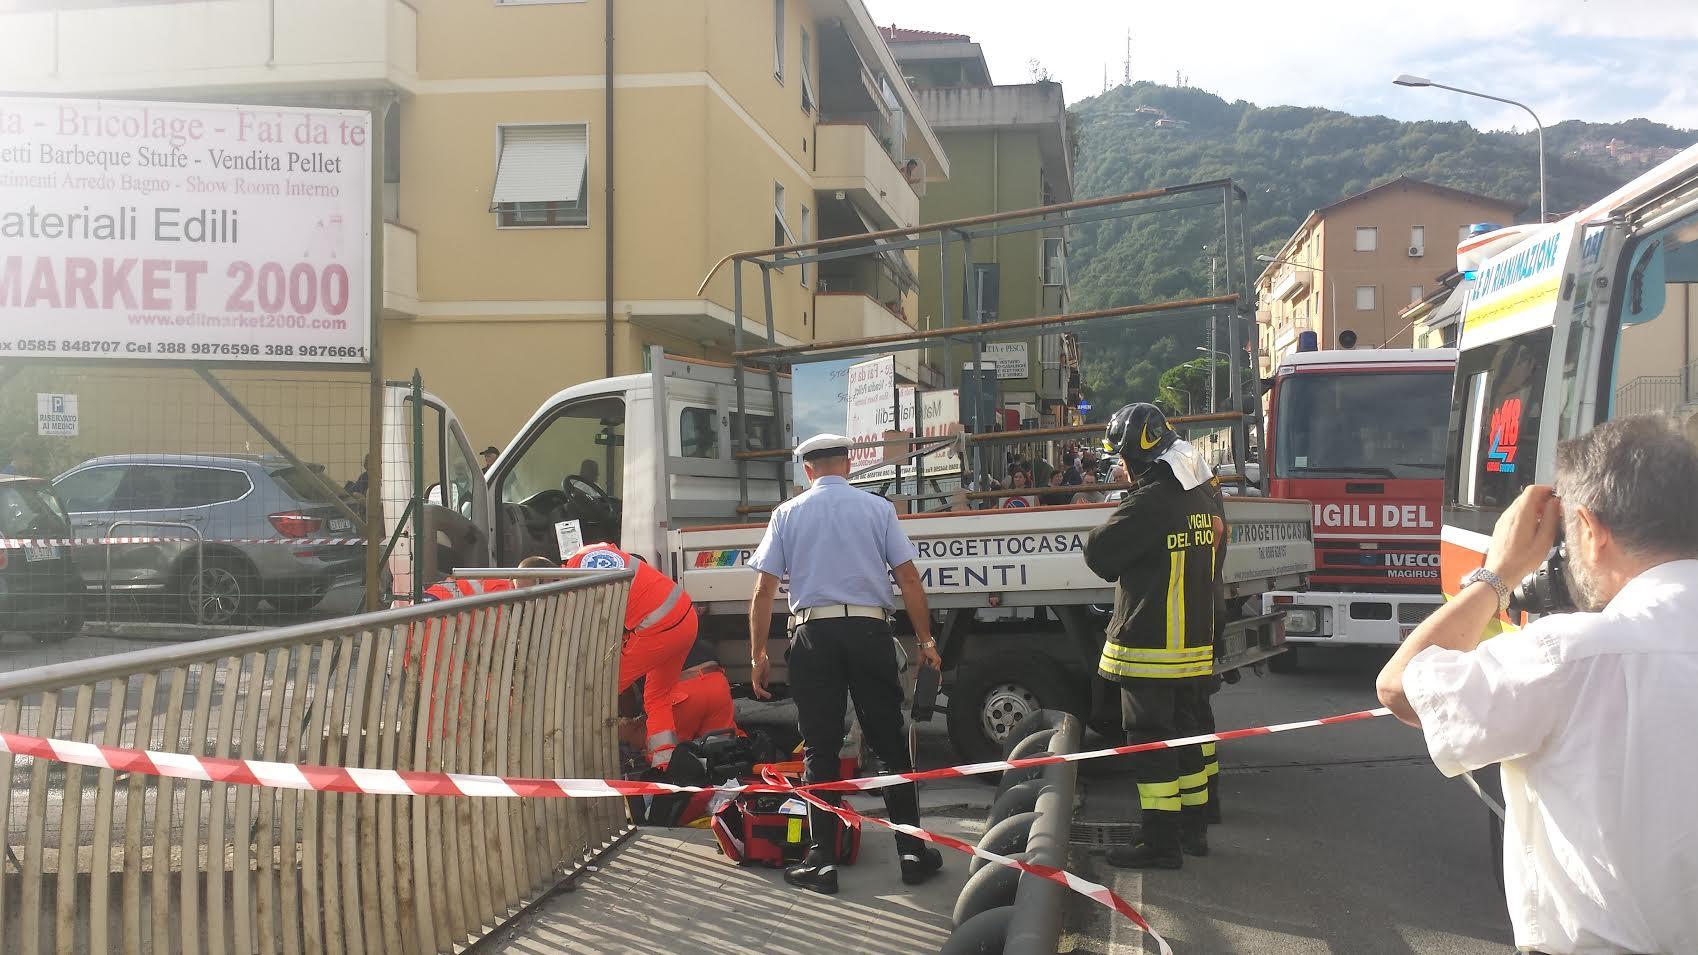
(1595, 60)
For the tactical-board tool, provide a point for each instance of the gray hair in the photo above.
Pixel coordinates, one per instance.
(1639, 476)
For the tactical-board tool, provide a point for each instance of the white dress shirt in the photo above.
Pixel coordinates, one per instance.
(1593, 716)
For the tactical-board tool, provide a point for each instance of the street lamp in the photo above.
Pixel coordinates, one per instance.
(1406, 79)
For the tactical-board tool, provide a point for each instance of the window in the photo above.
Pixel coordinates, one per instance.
(698, 433)
(541, 177)
(808, 97)
(28, 510)
(1650, 344)
(1365, 298)
(1494, 428)
(758, 437)
(1417, 240)
(301, 486)
(807, 236)
(1055, 261)
(145, 488)
(986, 291)
(203, 487)
(1367, 238)
(571, 469)
(778, 40)
(1416, 293)
(1361, 425)
(91, 489)
(781, 234)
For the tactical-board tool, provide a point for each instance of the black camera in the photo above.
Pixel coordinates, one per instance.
(1545, 590)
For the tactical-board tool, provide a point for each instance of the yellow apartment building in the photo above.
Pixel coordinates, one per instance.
(534, 157)
(1352, 266)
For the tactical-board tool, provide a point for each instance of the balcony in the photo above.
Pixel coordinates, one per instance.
(850, 159)
(208, 45)
(839, 315)
(1293, 283)
(400, 271)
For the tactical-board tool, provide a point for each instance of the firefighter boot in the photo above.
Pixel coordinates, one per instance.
(1194, 830)
(814, 875)
(1157, 849)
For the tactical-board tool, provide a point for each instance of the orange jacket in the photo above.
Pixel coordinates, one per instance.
(656, 602)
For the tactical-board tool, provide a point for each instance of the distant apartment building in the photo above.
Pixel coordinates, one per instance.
(515, 191)
(1009, 149)
(1352, 267)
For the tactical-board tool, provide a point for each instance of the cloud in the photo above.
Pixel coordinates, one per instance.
(1598, 60)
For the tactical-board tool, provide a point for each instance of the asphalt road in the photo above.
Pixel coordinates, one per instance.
(1339, 839)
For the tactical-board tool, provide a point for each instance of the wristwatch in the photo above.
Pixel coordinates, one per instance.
(1482, 575)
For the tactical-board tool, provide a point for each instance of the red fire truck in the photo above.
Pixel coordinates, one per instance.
(1361, 435)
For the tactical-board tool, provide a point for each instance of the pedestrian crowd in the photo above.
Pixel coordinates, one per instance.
(1069, 479)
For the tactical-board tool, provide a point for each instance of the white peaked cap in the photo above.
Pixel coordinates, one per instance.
(823, 442)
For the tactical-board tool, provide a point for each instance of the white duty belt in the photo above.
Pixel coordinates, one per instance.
(655, 616)
(833, 611)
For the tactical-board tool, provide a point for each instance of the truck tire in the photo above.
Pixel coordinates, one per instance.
(994, 693)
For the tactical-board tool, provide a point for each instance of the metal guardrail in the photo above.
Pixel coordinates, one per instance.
(513, 683)
(200, 559)
(1001, 909)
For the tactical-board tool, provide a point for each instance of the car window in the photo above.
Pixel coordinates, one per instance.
(698, 433)
(145, 488)
(200, 487)
(91, 489)
(301, 486)
(29, 510)
(1494, 428)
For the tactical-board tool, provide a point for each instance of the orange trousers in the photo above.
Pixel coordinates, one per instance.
(703, 705)
(656, 657)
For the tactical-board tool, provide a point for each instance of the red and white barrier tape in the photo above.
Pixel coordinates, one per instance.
(11, 543)
(1100, 894)
(390, 782)
(340, 779)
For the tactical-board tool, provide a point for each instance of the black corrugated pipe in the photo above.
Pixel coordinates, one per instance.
(1035, 925)
(607, 176)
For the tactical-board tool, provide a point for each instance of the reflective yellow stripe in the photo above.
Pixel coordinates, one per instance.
(1176, 600)
(1163, 796)
(1208, 749)
(1194, 780)
(1194, 797)
(1211, 768)
(1159, 671)
(1115, 651)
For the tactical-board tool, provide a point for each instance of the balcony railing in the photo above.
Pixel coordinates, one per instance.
(1657, 394)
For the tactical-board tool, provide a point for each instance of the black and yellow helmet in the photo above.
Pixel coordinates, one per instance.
(1140, 434)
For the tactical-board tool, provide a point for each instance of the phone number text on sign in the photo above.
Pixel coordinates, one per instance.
(184, 232)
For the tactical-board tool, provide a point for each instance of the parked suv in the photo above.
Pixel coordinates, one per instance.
(247, 510)
(41, 592)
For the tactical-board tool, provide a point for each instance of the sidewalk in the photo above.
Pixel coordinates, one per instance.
(668, 890)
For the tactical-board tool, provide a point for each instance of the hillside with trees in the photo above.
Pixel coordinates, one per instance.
(1290, 160)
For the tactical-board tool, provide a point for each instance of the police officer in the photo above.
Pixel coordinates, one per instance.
(840, 547)
(1161, 545)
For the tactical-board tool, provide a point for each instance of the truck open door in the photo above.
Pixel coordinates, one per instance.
(456, 510)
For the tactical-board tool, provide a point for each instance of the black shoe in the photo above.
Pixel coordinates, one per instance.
(815, 878)
(919, 868)
(1195, 842)
(1146, 855)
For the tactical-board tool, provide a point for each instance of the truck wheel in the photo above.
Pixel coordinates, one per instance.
(1284, 662)
(994, 693)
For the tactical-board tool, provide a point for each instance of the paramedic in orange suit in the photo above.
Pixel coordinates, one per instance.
(660, 628)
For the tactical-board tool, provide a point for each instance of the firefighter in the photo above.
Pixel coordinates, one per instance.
(1161, 547)
(660, 628)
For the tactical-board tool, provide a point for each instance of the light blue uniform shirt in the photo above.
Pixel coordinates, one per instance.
(837, 543)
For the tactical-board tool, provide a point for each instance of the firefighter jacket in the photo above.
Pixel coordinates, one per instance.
(1159, 547)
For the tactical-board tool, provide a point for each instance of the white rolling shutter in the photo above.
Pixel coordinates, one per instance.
(540, 164)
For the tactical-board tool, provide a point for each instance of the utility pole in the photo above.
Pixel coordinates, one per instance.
(1126, 64)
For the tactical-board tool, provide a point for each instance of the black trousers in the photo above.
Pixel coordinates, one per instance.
(832, 661)
(1169, 780)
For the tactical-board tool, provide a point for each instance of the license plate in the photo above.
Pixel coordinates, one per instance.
(341, 524)
(41, 552)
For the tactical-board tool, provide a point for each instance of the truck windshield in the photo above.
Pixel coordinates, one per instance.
(1362, 424)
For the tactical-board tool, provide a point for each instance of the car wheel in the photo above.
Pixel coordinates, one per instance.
(68, 628)
(992, 694)
(223, 593)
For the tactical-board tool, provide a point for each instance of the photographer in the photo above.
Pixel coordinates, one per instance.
(1585, 710)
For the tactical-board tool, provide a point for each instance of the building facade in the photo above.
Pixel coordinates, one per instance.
(1010, 150)
(534, 156)
(1349, 271)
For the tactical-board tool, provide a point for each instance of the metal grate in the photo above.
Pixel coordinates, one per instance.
(1411, 614)
(1102, 835)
